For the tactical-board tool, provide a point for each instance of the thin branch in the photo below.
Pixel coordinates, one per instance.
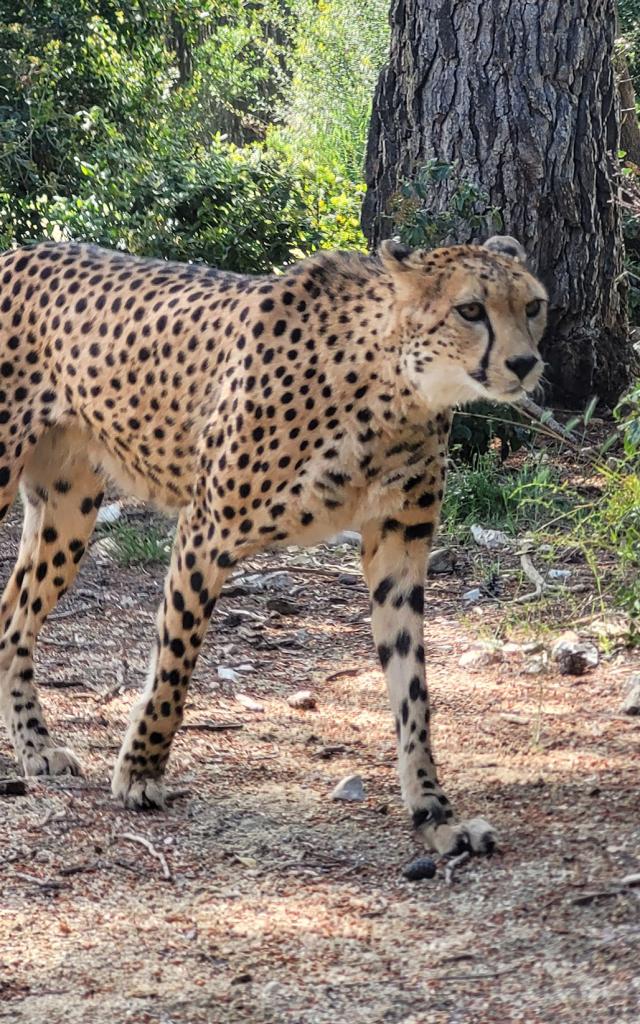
(536, 412)
(453, 864)
(472, 977)
(133, 837)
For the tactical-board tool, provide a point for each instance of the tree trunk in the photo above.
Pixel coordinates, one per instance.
(522, 99)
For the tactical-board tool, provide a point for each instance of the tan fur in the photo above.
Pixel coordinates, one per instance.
(265, 411)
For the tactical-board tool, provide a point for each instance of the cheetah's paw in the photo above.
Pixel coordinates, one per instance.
(138, 794)
(50, 761)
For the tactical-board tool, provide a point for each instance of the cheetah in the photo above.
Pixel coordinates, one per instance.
(264, 411)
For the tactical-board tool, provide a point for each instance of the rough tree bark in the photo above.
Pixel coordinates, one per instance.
(522, 97)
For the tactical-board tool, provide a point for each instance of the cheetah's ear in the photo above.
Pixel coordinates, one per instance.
(506, 245)
(395, 257)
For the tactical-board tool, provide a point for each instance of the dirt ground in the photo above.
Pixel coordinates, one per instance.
(255, 897)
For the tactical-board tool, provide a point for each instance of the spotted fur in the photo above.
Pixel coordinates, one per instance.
(264, 411)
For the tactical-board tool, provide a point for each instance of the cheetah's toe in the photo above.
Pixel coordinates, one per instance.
(139, 794)
(51, 761)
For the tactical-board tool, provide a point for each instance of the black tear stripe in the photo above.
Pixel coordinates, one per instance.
(481, 373)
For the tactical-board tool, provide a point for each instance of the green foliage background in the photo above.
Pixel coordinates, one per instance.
(226, 131)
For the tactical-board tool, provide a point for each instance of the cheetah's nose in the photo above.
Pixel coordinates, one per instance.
(522, 365)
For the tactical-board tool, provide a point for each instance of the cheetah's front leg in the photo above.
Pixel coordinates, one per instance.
(191, 588)
(394, 561)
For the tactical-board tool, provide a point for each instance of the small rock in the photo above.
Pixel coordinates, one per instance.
(442, 562)
(534, 666)
(471, 596)
(248, 702)
(345, 537)
(13, 787)
(511, 649)
(573, 656)
(229, 675)
(273, 990)
(283, 606)
(303, 700)
(258, 582)
(350, 788)
(109, 513)
(333, 750)
(631, 703)
(481, 655)
(493, 540)
(533, 647)
(348, 579)
(104, 551)
(613, 627)
(418, 869)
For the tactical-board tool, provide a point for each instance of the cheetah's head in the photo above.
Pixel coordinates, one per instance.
(470, 319)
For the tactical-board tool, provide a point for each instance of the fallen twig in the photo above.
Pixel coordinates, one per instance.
(542, 586)
(80, 610)
(45, 884)
(589, 897)
(212, 726)
(473, 977)
(536, 412)
(176, 794)
(63, 684)
(121, 863)
(133, 837)
(311, 570)
(532, 574)
(76, 869)
(67, 783)
(453, 864)
(342, 672)
(67, 642)
(50, 816)
(120, 681)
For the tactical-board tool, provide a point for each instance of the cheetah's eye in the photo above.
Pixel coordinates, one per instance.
(533, 308)
(472, 311)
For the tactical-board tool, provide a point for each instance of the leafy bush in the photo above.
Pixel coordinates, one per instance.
(110, 132)
(628, 417)
(422, 224)
(240, 208)
(483, 426)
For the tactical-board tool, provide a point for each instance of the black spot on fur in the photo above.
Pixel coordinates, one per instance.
(381, 592)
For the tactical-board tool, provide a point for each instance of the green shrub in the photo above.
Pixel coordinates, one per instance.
(628, 417)
(493, 495)
(145, 543)
(239, 208)
(421, 221)
(339, 49)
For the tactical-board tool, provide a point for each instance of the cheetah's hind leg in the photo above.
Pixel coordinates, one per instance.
(61, 494)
